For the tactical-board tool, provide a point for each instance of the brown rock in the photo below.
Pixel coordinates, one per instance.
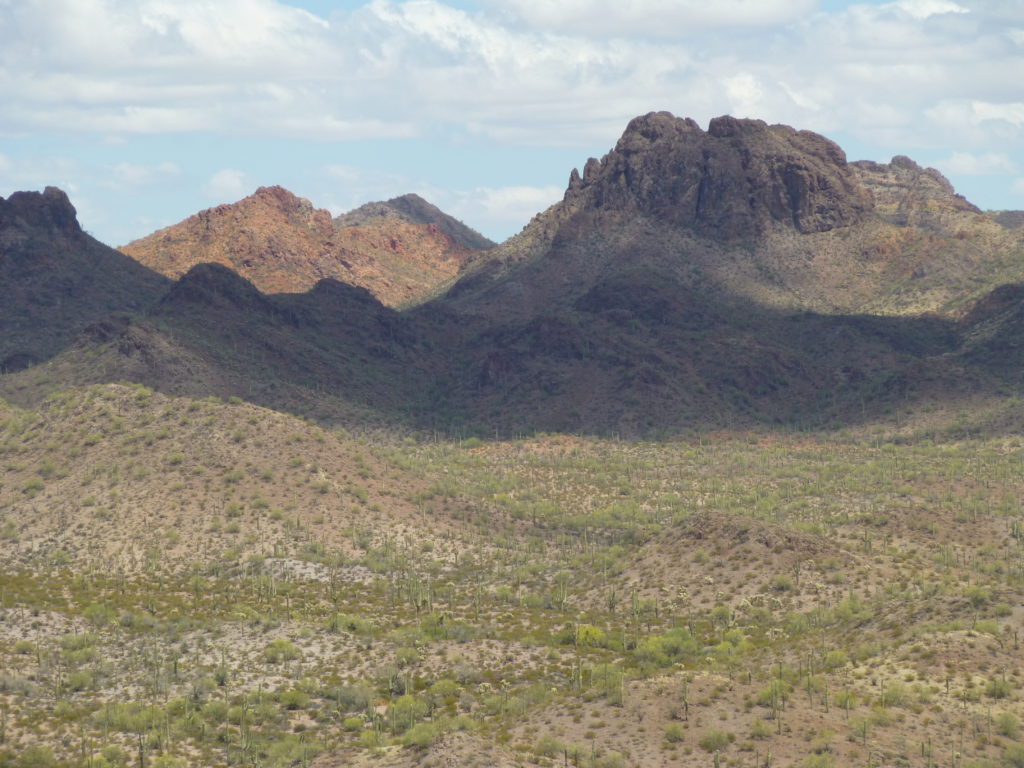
(740, 178)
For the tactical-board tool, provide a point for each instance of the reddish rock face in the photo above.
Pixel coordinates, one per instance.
(400, 251)
(739, 178)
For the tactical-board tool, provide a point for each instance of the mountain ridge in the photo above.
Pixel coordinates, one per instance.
(283, 244)
(630, 306)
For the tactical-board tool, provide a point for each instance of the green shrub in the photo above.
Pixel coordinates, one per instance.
(715, 740)
(294, 699)
(37, 756)
(760, 730)
(674, 733)
(1014, 755)
(998, 688)
(1008, 725)
(281, 650)
(420, 736)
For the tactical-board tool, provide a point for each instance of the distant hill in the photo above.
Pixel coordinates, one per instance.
(400, 251)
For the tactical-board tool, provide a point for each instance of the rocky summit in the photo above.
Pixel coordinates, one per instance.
(737, 179)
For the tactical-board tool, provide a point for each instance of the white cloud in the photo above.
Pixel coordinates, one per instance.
(907, 74)
(1018, 187)
(654, 18)
(1009, 112)
(922, 9)
(136, 175)
(744, 94)
(5, 164)
(527, 71)
(504, 208)
(227, 185)
(967, 164)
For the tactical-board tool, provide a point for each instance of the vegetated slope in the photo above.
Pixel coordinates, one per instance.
(550, 633)
(120, 477)
(55, 279)
(400, 250)
(637, 352)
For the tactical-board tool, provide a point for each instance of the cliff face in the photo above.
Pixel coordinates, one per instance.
(282, 244)
(738, 179)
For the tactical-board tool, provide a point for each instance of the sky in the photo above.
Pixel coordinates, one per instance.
(146, 111)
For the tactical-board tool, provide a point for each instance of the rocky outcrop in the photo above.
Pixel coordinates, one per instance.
(737, 179)
(49, 211)
(908, 195)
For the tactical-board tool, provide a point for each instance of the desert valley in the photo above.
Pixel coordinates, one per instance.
(718, 462)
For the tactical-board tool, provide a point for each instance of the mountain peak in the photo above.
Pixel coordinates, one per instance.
(413, 209)
(49, 210)
(739, 178)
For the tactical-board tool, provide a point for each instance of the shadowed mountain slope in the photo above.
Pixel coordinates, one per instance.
(55, 279)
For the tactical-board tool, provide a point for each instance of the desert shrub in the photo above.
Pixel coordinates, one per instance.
(823, 760)
(1014, 755)
(1008, 724)
(714, 740)
(406, 711)
(292, 750)
(81, 680)
(294, 699)
(674, 733)
(420, 736)
(590, 636)
(998, 688)
(99, 615)
(281, 650)
(215, 711)
(36, 756)
(836, 660)
(760, 730)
